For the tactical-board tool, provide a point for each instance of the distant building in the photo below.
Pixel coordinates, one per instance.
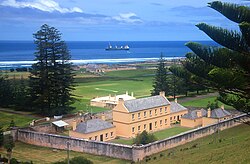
(196, 118)
(94, 68)
(151, 114)
(110, 101)
(95, 129)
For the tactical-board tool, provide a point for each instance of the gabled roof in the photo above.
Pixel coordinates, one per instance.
(193, 114)
(219, 113)
(145, 103)
(92, 126)
(60, 123)
(175, 107)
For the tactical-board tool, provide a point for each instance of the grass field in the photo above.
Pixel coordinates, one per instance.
(230, 146)
(203, 102)
(114, 83)
(159, 135)
(42, 155)
(5, 119)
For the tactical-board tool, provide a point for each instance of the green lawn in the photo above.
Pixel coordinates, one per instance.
(43, 155)
(5, 119)
(230, 146)
(114, 83)
(203, 102)
(159, 135)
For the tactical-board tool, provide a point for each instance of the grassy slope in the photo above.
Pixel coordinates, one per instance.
(233, 148)
(42, 155)
(5, 119)
(203, 102)
(159, 135)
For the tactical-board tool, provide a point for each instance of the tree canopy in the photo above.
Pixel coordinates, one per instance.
(224, 67)
(144, 138)
(160, 81)
(51, 80)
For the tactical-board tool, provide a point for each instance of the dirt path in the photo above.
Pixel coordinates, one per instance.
(185, 99)
(27, 114)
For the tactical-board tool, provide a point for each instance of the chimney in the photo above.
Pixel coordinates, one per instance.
(126, 92)
(132, 94)
(222, 107)
(103, 117)
(198, 113)
(109, 96)
(175, 100)
(120, 101)
(162, 93)
(74, 125)
(209, 112)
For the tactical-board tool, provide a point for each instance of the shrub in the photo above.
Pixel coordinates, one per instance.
(144, 138)
(76, 160)
(14, 161)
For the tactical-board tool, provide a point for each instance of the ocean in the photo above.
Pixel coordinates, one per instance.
(21, 53)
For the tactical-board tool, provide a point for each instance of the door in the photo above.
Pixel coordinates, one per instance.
(150, 126)
(101, 137)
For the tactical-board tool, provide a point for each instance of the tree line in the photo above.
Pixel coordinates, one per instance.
(48, 88)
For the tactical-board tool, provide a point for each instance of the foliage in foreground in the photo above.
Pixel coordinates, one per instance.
(1, 136)
(76, 160)
(144, 138)
(225, 68)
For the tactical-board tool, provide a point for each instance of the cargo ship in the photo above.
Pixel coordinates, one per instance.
(110, 47)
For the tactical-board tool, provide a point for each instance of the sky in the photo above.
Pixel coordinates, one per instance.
(111, 20)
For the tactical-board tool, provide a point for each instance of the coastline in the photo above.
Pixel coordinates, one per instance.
(15, 64)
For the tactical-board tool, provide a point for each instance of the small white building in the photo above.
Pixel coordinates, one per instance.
(59, 126)
(110, 101)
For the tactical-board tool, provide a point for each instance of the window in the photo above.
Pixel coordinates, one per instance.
(150, 112)
(145, 126)
(161, 122)
(166, 121)
(133, 116)
(106, 135)
(171, 118)
(111, 134)
(166, 109)
(139, 115)
(139, 128)
(160, 110)
(90, 138)
(95, 137)
(155, 111)
(155, 123)
(145, 114)
(133, 129)
(174, 117)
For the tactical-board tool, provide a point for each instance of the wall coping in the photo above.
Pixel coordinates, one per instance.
(74, 138)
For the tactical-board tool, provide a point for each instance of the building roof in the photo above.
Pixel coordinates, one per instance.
(175, 107)
(193, 114)
(60, 123)
(93, 125)
(113, 99)
(145, 103)
(219, 113)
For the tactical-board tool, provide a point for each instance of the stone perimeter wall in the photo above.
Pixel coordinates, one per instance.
(134, 153)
